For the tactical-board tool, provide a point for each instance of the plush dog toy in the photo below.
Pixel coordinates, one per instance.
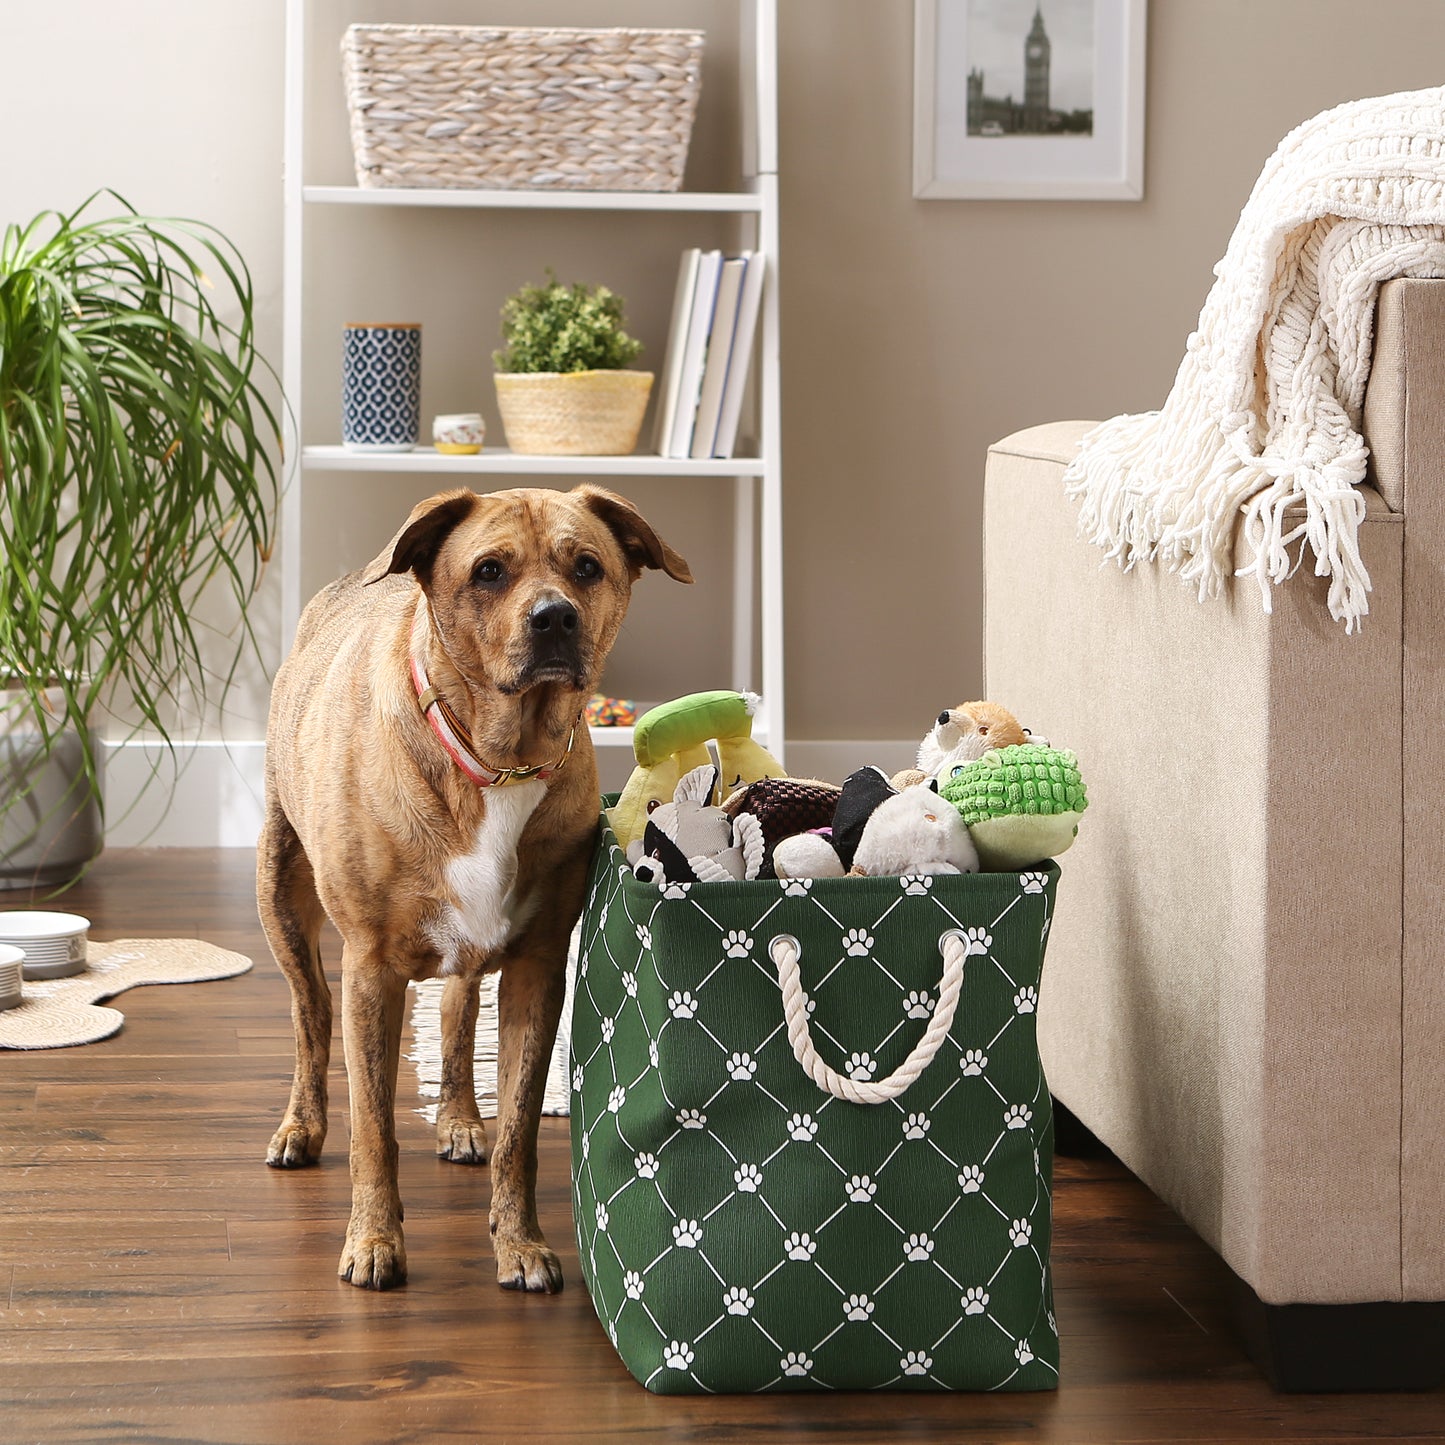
(915, 831)
(671, 741)
(961, 735)
(689, 841)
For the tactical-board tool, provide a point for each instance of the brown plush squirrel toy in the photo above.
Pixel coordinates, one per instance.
(961, 735)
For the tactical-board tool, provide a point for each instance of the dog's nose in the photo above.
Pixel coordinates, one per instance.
(557, 617)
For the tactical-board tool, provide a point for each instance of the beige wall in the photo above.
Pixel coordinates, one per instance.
(914, 332)
(917, 331)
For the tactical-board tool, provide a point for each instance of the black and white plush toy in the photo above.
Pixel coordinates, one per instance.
(690, 841)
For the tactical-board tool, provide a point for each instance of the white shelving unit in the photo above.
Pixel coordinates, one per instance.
(757, 481)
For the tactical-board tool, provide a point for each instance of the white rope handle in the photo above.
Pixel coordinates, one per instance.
(785, 952)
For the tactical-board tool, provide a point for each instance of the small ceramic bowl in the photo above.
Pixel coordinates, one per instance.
(459, 434)
(10, 962)
(54, 944)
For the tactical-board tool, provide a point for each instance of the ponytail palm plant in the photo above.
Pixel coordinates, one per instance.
(138, 466)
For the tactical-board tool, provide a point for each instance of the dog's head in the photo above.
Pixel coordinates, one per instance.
(529, 587)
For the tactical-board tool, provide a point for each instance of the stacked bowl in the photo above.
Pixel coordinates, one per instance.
(53, 944)
(10, 961)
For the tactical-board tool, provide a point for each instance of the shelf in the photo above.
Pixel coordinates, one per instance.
(735, 202)
(501, 461)
(611, 737)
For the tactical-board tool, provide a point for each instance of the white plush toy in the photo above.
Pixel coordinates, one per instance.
(963, 734)
(806, 855)
(690, 841)
(915, 831)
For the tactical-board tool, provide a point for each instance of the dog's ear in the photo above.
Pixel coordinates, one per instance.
(640, 544)
(415, 546)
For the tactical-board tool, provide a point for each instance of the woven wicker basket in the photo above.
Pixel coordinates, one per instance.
(572, 413)
(514, 108)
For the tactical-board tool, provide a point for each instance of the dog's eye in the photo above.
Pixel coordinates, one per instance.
(587, 568)
(488, 572)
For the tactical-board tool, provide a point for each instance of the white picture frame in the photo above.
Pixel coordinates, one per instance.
(985, 132)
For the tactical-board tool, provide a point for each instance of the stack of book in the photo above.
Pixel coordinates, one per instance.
(714, 317)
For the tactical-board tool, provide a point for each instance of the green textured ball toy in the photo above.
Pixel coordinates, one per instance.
(1021, 804)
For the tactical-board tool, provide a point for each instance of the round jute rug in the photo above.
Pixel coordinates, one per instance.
(58, 1013)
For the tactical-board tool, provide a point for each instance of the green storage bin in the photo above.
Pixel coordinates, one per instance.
(743, 1228)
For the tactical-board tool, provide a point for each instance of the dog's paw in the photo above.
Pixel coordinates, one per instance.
(527, 1264)
(295, 1144)
(374, 1261)
(462, 1141)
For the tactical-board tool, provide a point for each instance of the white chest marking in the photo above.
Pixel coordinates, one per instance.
(483, 912)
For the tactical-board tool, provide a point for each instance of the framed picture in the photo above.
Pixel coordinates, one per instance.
(1028, 99)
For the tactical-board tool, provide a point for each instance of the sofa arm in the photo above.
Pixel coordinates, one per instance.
(1223, 989)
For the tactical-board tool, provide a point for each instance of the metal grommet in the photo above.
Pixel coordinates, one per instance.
(784, 938)
(957, 933)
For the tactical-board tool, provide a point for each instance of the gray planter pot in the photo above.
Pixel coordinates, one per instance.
(51, 833)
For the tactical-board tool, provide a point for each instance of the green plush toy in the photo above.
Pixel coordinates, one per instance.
(671, 740)
(1021, 804)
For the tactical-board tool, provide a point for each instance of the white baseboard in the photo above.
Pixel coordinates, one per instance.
(214, 798)
(210, 797)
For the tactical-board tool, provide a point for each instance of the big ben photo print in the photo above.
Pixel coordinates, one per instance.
(1029, 99)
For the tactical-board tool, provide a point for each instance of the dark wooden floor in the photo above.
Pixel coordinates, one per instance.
(158, 1282)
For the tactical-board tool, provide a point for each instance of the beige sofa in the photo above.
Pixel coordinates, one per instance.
(1245, 989)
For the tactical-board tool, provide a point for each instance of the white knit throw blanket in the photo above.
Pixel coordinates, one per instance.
(1263, 420)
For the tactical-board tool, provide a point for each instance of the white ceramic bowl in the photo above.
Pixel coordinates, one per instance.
(11, 960)
(54, 944)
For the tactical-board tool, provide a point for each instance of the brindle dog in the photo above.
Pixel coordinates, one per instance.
(466, 649)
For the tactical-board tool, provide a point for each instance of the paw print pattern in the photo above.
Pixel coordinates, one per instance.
(602, 1217)
(918, 1005)
(860, 1188)
(857, 1307)
(1020, 1232)
(577, 1079)
(797, 888)
(687, 1233)
(795, 1363)
(586, 1146)
(747, 1177)
(644, 935)
(975, 1300)
(973, 1062)
(1022, 1353)
(629, 984)
(652, 1052)
(857, 943)
(800, 1246)
(917, 1248)
(916, 1126)
(1033, 882)
(915, 885)
(677, 1356)
(802, 1127)
(1017, 1116)
(609, 1027)
(615, 1099)
(976, 942)
(692, 1118)
(970, 1179)
(1026, 1000)
(676, 890)
(737, 944)
(682, 1005)
(860, 1066)
(1053, 1327)
(915, 1362)
(632, 1283)
(737, 1301)
(646, 1166)
(741, 1066)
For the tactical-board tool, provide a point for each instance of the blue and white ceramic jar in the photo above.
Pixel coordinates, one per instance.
(381, 386)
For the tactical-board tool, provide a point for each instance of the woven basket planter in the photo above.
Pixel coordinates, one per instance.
(514, 108)
(572, 413)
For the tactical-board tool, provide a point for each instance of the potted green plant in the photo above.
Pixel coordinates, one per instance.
(137, 468)
(563, 383)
